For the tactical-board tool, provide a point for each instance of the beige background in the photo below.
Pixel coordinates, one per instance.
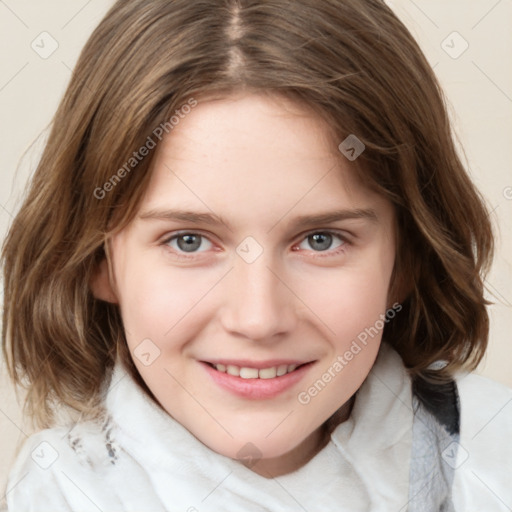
(477, 82)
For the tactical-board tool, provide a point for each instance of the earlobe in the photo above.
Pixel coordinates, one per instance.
(100, 284)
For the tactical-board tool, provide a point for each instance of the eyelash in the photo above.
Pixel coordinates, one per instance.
(318, 254)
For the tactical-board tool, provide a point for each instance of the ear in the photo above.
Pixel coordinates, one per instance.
(100, 284)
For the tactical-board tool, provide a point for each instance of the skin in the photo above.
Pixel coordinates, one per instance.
(258, 163)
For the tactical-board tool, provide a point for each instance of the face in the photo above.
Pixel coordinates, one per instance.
(254, 263)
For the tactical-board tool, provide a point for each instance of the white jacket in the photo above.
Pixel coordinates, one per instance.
(140, 459)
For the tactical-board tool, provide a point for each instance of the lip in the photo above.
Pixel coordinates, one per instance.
(257, 389)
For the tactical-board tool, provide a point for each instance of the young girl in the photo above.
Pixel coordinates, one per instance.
(250, 265)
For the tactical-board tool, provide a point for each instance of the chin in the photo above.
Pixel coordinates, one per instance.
(257, 445)
(254, 447)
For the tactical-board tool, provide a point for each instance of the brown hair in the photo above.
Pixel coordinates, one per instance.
(351, 61)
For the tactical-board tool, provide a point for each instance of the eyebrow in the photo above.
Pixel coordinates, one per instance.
(302, 220)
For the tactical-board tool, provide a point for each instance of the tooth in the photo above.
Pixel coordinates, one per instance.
(233, 370)
(249, 373)
(268, 373)
(282, 369)
(220, 367)
(291, 367)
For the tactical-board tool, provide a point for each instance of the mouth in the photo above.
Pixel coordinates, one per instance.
(256, 371)
(256, 380)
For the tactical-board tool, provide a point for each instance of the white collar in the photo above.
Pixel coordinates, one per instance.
(366, 461)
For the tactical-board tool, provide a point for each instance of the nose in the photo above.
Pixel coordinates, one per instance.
(258, 303)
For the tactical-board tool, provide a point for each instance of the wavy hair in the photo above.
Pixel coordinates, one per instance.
(351, 61)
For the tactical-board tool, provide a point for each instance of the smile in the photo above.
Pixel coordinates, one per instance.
(268, 380)
(254, 373)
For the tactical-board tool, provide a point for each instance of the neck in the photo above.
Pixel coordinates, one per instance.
(306, 450)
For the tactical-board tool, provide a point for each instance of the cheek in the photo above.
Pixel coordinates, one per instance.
(142, 305)
(349, 301)
(351, 314)
(158, 307)
(159, 302)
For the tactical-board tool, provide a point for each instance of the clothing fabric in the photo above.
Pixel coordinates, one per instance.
(392, 454)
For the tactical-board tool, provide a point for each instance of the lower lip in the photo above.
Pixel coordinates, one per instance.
(257, 389)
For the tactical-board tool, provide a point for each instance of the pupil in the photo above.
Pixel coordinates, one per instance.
(323, 241)
(189, 243)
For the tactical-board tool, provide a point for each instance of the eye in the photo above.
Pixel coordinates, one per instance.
(321, 241)
(188, 242)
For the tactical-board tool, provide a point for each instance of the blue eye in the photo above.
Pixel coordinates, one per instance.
(321, 241)
(187, 242)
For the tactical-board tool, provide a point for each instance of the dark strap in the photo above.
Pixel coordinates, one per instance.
(435, 442)
(440, 400)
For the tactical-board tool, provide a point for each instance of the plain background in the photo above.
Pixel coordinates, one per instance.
(477, 81)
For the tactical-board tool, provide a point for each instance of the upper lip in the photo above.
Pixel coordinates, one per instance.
(248, 363)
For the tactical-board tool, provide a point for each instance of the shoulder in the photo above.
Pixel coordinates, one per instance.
(59, 469)
(482, 385)
(485, 405)
(484, 461)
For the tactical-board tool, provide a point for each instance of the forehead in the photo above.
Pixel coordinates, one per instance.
(253, 156)
(252, 126)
